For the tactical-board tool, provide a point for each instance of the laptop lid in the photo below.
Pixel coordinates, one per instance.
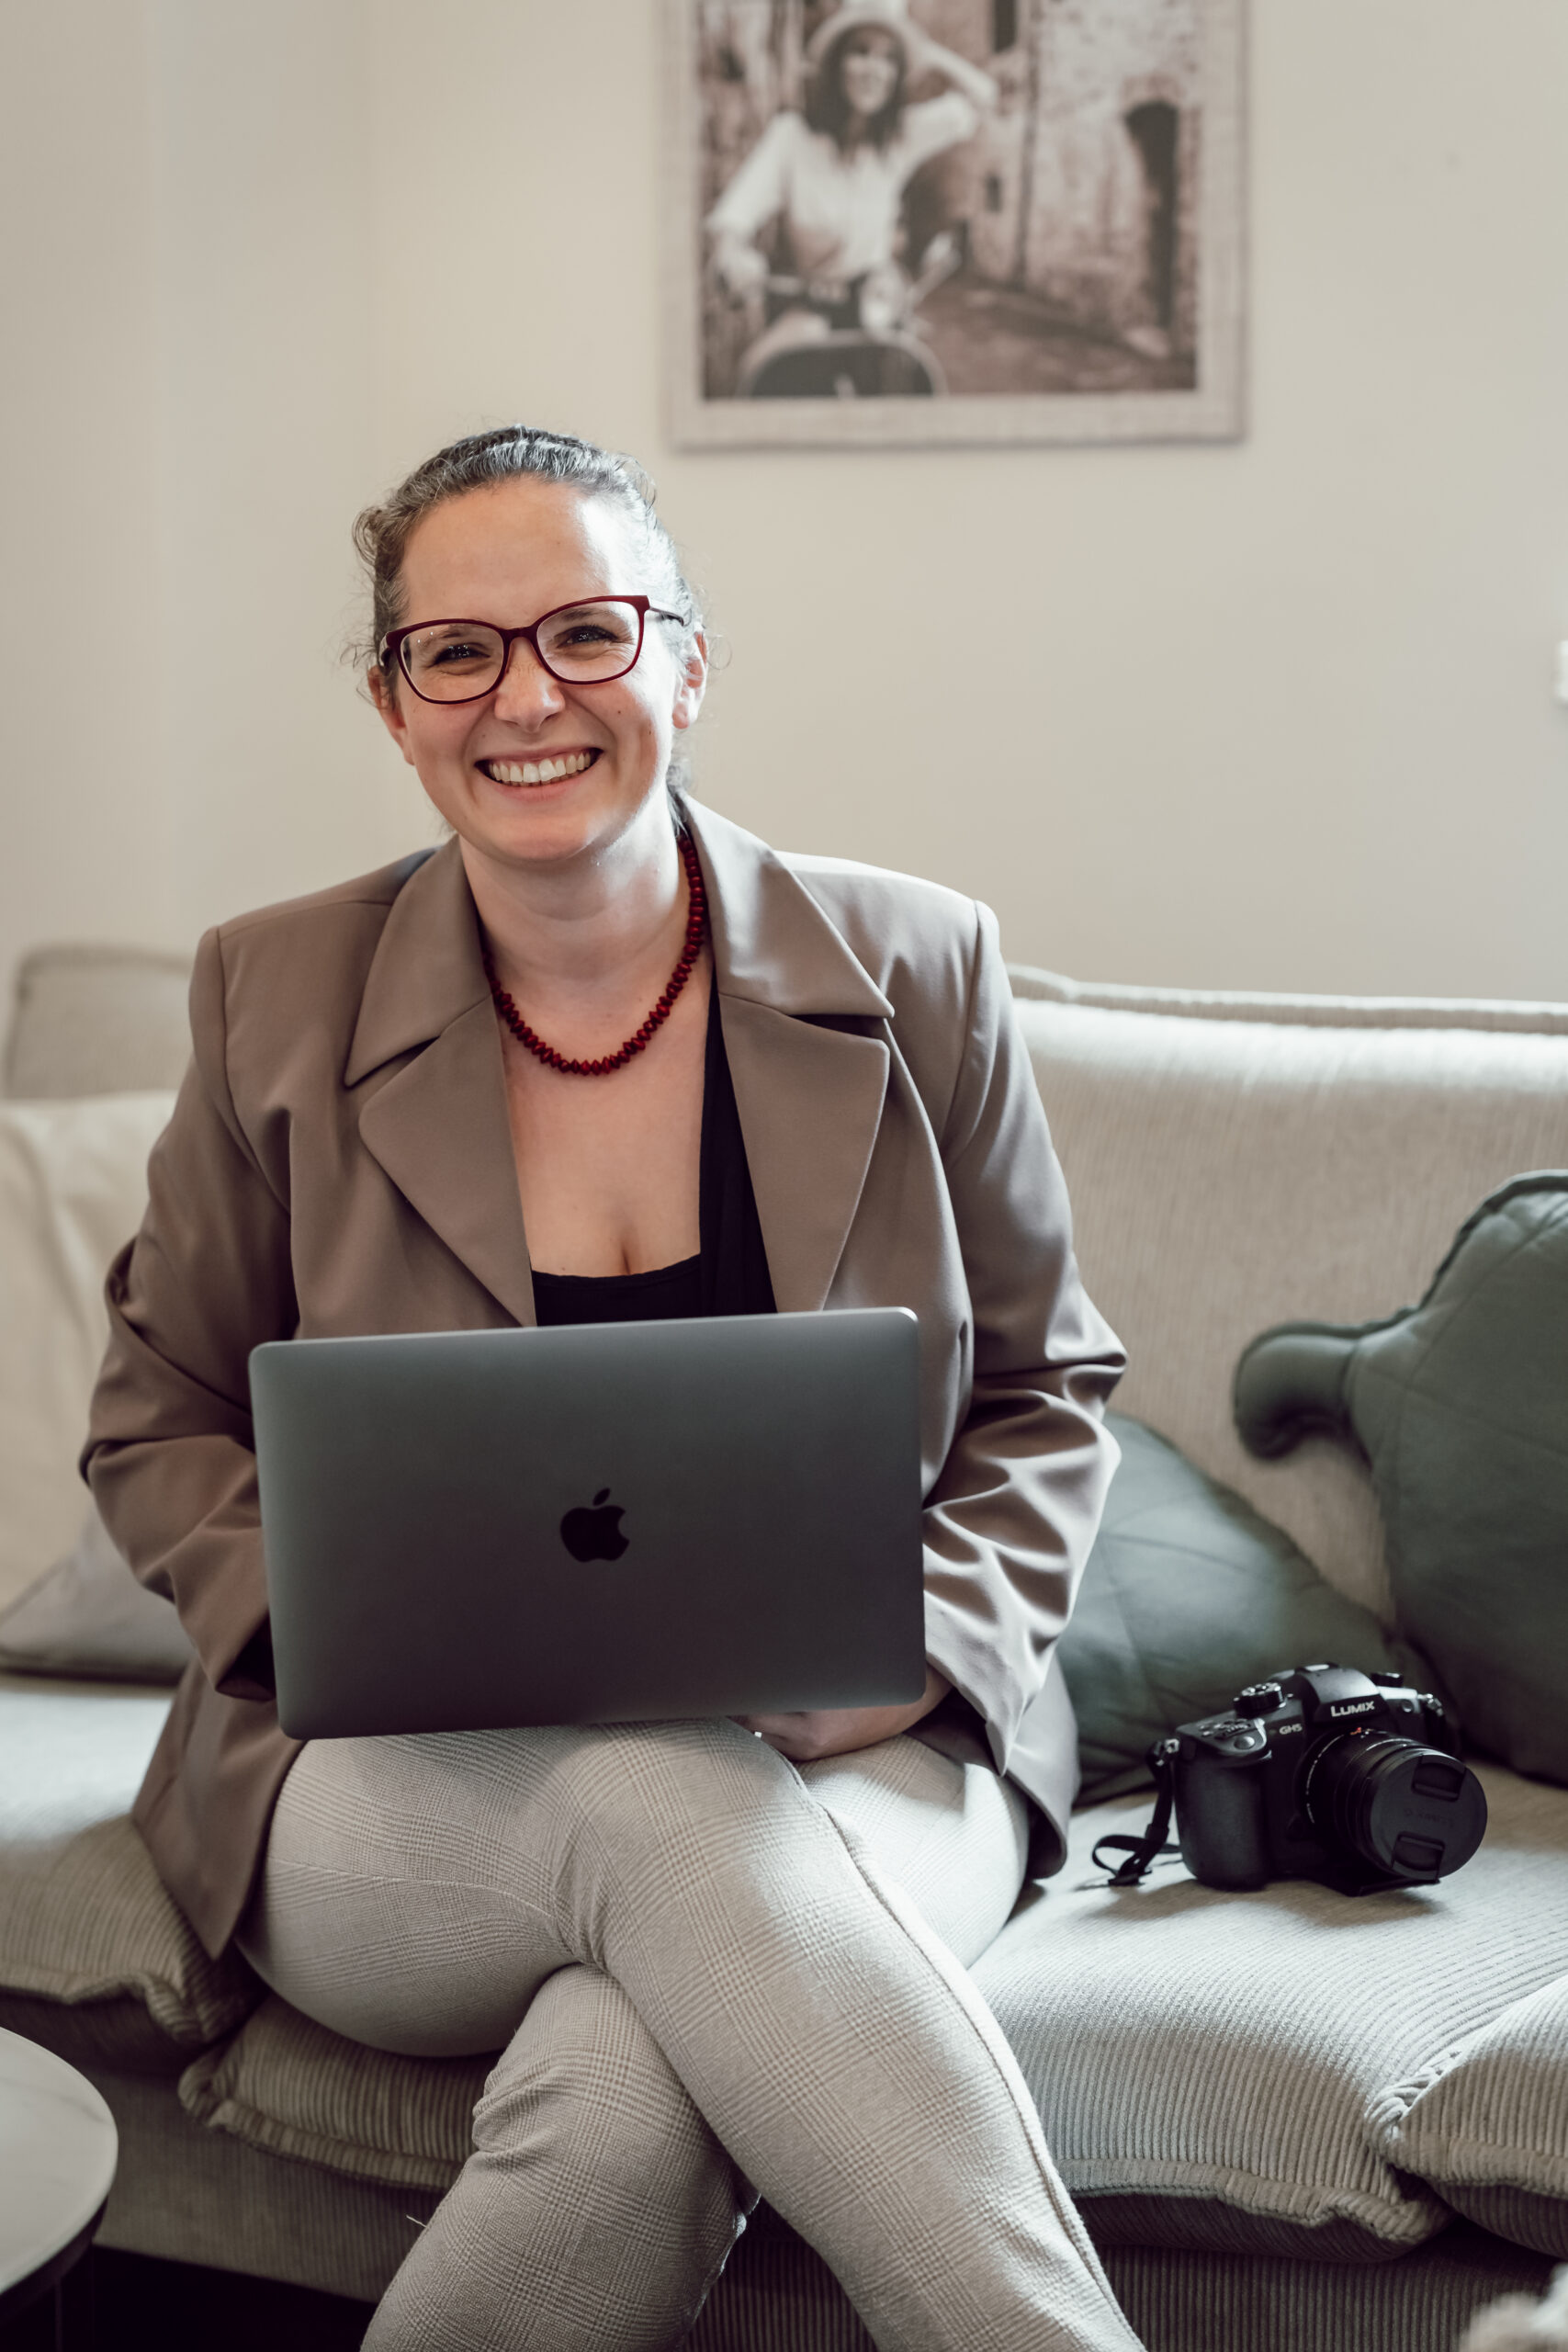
(601, 1522)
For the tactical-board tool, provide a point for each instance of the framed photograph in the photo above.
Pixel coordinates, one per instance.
(905, 221)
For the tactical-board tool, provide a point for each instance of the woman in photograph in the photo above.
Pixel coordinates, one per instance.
(834, 176)
(604, 1056)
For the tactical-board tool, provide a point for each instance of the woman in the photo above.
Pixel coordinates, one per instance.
(602, 1056)
(834, 176)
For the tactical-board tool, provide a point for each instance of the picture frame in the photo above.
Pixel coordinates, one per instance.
(1068, 252)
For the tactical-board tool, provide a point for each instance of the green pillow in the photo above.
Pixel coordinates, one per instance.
(1190, 1594)
(1461, 1405)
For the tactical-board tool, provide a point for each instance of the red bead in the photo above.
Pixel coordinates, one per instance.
(696, 931)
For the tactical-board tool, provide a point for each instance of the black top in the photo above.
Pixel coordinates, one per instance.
(729, 1273)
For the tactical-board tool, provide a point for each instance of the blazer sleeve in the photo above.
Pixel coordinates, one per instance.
(1014, 1511)
(170, 1452)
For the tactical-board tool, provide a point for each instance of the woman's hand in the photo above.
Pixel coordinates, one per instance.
(930, 57)
(742, 270)
(817, 1731)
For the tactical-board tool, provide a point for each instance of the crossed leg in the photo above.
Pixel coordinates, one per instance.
(705, 1974)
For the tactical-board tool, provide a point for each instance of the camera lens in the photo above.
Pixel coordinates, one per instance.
(1409, 1810)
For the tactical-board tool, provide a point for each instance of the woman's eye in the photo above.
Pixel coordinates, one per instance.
(444, 657)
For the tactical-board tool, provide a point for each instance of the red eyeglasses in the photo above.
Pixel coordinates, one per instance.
(588, 644)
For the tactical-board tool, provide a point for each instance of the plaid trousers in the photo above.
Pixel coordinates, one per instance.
(714, 1974)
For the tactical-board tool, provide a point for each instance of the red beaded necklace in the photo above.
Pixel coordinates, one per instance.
(696, 931)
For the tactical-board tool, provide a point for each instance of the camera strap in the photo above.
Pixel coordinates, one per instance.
(1143, 1852)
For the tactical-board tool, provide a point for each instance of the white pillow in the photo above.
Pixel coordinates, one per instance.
(73, 1188)
(89, 1617)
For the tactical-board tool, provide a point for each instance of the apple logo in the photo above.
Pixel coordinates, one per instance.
(595, 1534)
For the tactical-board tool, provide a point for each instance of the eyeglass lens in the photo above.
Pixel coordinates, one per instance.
(456, 660)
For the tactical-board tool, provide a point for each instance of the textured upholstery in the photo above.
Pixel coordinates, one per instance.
(83, 1917)
(1217, 2302)
(1031, 984)
(189, 2195)
(97, 1020)
(1229, 2093)
(1231, 1173)
(292, 2088)
(196, 2196)
(1487, 2122)
(192, 2195)
(1222, 2058)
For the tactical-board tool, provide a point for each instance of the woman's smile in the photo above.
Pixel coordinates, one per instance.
(550, 770)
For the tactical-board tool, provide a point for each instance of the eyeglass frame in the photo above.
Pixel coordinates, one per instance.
(391, 650)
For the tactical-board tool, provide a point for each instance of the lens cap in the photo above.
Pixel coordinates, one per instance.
(1414, 1811)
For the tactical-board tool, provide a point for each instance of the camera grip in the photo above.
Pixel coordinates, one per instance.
(1218, 1819)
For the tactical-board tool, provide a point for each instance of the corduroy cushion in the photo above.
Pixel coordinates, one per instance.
(1487, 2124)
(1188, 1595)
(297, 2089)
(84, 1917)
(1210, 2068)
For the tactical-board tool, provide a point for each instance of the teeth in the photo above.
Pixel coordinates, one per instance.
(538, 771)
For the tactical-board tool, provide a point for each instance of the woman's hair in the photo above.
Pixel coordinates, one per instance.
(828, 109)
(381, 533)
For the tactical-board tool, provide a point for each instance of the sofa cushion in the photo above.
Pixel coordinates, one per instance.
(1231, 1172)
(1487, 2122)
(97, 1020)
(118, 2036)
(1212, 2070)
(1220, 2061)
(1461, 1403)
(297, 2089)
(89, 1617)
(72, 1186)
(1188, 1595)
(84, 1917)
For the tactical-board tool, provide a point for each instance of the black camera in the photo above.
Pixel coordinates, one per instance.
(1325, 1773)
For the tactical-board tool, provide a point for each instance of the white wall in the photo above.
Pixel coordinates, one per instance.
(1278, 715)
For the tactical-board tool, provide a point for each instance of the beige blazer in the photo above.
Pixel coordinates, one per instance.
(339, 1160)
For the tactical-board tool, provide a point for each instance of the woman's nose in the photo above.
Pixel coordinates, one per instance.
(527, 690)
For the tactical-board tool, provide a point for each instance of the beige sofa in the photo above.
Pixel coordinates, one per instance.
(1293, 2120)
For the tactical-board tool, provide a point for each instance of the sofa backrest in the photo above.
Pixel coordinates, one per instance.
(97, 1020)
(1235, 1162)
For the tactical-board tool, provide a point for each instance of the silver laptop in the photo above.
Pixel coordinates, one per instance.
(598, 1524)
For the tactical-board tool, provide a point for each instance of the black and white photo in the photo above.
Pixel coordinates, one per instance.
(911, 220)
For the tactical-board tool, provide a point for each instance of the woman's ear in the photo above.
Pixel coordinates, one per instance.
(384, 694)
(692, 682)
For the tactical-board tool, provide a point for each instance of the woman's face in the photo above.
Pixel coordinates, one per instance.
(868, 70)
(508, 554)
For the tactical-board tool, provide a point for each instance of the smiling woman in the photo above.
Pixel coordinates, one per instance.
(605, 1058)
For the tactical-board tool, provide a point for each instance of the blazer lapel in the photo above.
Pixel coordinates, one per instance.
(804, 1033)
(438, 1126)
(810, 1101)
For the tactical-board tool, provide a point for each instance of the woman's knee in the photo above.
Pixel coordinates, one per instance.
(946, 1829)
